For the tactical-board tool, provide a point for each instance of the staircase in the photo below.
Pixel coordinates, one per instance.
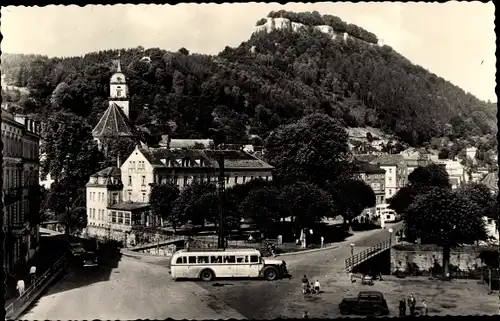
(370, 252)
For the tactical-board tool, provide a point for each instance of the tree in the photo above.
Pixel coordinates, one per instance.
(186, 206)
(67, 199)
(446, 218)
(430, 175)
(402, 199)
(313, 149)
(479, 194)
(70, 152)
(162, 198)
(305, 203)
(444, 153)
(351, 197)
(116, 147)
(262, 207)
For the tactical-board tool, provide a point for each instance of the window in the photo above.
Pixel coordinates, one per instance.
(227, 179)
(229, 259)
(202, 259)
(390, 191)
(241, 259)
(118, 92)
(143, 180)
(254, 259)
(181, 260)
(132, 166)
(127, 218)
(120, 217)
(185, 180)
(130, 181)
(113, 217)
(143, 197)
(93, 213)
(115, 198)
(129, 196)
(390, 178)
(192, 259)
(216, 259)
(251, 177)
(244, 177)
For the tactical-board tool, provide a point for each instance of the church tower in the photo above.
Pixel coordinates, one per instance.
(118, 90)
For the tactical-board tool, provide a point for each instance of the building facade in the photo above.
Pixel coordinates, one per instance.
(20, 190)
(374, 176)
(118, 198)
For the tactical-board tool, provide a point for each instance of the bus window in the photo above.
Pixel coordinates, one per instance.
(229, 259)
(240, 259)
(202, 259)
(181, 260)
(192, 259)
(216, 259)
(254, 259)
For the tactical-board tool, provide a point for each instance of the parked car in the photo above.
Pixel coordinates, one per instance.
(89, 259)
(366, 303)
(76, 249)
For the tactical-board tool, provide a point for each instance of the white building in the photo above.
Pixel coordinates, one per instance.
(455, 170)
(118, 198)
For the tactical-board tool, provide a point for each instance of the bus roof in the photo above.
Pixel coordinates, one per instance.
(215, 250)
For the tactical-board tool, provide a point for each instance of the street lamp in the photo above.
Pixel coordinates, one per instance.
(390, 250)
(352, 249)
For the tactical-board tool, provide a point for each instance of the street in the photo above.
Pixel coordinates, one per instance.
(132, 290)
(283, 298)
(126, 288)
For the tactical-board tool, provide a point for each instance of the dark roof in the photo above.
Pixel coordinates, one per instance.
(491, 180)
(365, 157)
(388, 160)
(108, 171)
(233, 158)
(128, 206)
(114, 123)
(365, 167)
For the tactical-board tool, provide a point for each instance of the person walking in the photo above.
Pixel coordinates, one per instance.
(424, 308)
(402, 307)
(412, 302)
(32, 274)
(305, 284)
(322, 241)
(20, 287)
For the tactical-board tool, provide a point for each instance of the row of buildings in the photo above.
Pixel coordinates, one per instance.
(118, 196)
(21, 206)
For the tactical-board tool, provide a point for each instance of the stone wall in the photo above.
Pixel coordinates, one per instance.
(427, 259)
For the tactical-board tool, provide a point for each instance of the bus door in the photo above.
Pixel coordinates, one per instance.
(254, 265)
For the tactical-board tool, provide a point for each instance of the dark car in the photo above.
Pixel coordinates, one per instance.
(89, 259)
(76, 249)
(366, 303)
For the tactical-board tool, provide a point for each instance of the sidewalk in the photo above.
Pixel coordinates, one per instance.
(50, 250)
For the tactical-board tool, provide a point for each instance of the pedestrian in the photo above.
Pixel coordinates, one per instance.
(32, 274)
(305, 284)
(322, 241)
(424, 308)
(20, 287)
(402, 307)
(317, 287)
(412, 302)
(305, 316)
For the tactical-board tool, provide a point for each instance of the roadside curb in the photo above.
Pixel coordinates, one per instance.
(309, 251)
(143, 255)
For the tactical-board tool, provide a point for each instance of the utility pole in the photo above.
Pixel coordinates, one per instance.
(222, 181)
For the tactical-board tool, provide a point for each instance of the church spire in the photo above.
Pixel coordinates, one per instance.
(119, 66)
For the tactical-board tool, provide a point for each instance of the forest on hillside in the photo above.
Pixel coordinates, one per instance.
(271, 79)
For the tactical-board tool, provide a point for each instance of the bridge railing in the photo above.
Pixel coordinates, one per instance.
(362, 256)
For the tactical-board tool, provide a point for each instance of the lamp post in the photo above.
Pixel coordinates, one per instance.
(390, 250)
(352, 249)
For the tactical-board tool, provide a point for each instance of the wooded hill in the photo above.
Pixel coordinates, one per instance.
(271, 79)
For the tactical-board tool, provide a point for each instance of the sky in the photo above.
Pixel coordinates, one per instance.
(454, 40)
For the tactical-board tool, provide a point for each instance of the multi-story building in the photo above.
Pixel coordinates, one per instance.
(374, 176)
(414, 158)
(456, 171)
(20, 190)
(117, 198)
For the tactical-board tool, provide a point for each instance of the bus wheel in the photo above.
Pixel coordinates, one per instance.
(207, 275)
(271, 274)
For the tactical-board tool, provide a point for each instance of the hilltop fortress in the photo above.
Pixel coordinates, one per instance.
(272, 24)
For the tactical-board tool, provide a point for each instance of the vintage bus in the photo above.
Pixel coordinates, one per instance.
(207, 264)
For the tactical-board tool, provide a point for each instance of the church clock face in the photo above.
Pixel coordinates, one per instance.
(119, 78)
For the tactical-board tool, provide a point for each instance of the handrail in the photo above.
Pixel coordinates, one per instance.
(362, 256)
(33, 288)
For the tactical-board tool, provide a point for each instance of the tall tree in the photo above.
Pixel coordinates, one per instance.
(351, 197)
(187, 205)
(313, 149)
(305, 203)
(161, 200)
(446, 218)
(262, 206)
